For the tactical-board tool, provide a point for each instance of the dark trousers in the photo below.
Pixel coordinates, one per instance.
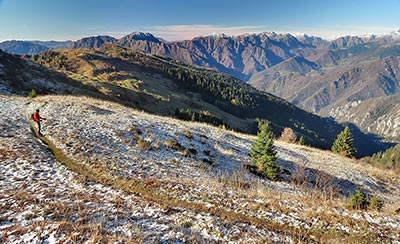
(39, 127)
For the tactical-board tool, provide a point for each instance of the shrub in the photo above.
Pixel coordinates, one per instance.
(187, 224)
(189, 152)
(263, 153)
(193, 151)
(301, 141)
(188, 134)
(137, 130)
(174, 144)
(358, 200)
(143, 144)
(288, 135)
(32, 94)
(209, 162)
(375, 203)
(300, 176)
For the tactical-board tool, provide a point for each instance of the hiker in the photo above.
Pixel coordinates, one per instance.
(36, 117)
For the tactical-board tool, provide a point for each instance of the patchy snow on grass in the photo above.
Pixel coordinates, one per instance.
(41, 200)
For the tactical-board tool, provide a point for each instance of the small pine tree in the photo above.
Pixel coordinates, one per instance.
(358, 200)
(32, 94)
(301, 141)
(344, 143)
(375, 203)
(263, 153)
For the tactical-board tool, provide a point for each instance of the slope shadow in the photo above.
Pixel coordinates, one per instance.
(318, 179)
(363, 141)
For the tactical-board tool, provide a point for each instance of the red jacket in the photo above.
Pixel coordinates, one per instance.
(36, 117)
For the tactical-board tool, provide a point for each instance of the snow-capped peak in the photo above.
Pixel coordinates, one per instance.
(270, 33)
(395, 34)
(220, 35)
(368, 36)
(304, 36)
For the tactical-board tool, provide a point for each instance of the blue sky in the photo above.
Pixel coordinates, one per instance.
(184, 19)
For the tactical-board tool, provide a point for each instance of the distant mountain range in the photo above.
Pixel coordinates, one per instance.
(32, 47)
(347, 70)
(317, 75)
(240, 56)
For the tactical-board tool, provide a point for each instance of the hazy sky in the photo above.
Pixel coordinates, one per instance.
(184, 19)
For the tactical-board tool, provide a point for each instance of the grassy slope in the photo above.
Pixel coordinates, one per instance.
(249, 200)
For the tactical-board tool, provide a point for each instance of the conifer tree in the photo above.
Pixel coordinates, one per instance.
(344, 143)
(301, 141)
(263, 153)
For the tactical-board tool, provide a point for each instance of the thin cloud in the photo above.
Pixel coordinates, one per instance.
(332, 32)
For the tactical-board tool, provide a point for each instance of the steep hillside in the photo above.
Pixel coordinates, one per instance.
(18, 76)
(337, 82)
(377, 115)
(115, 177)
(169, 87)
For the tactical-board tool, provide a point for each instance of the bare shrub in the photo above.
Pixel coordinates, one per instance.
(327, 184)
(207, 152)
(299, 176)
(188, 134)
(137, 130)
(288, 135)
(189, 152)
(174, 144)
(143, 144)
(324, 183)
